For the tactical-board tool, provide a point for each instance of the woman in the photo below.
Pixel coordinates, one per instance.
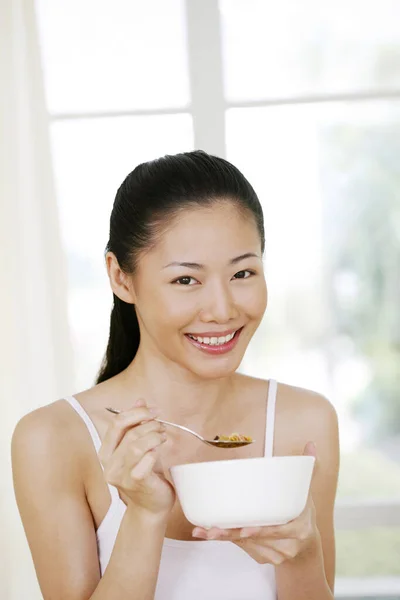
(184, 261)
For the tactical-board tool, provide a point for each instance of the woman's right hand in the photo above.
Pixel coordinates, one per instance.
(129, 454)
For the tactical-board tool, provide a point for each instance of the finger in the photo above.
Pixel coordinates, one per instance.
(273, 532)
(234, 534)
(288, 548)
(142, 402)
(225, 534)
(127, 458)
(247, 532)
(262, 554)
(215, 533)
(270, 532)
(133, 435)
(207, 534)
(144, 467)
(139, 431)
(132, 453)
(130, 445)
(120, 425)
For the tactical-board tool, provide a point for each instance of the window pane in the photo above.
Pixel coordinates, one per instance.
(329, 182)
(92, 157)
(279, 49)
(119, 55)
(368, 552)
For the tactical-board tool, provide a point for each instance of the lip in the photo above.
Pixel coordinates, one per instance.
(210, 334)
(216, 350)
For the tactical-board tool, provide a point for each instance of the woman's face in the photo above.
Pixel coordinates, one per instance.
(200, 285)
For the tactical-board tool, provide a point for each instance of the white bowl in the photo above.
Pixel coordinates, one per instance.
(247, 492)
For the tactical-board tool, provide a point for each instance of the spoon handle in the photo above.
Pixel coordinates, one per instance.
(181, 427)
(117, 412)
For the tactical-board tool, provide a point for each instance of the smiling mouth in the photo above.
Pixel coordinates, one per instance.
(213, 340)
(215, 344)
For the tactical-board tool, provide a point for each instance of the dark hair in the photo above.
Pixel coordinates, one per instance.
(145, 204)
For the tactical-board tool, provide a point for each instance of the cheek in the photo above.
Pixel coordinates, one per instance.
(254, 299)
(175, 309)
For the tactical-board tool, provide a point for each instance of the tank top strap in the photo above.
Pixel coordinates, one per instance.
(270, 418)
(77, 406)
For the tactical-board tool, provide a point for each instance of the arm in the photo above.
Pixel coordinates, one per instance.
(133, 568)
(311, 575)
(59, 526)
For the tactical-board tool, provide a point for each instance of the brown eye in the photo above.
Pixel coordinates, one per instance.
(184, 280)
(243, 274)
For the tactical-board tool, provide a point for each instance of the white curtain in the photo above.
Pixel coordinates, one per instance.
(35, 351)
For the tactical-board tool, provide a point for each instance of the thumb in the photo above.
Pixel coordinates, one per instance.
(310, 449)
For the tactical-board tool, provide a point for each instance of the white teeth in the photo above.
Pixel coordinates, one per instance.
(214, 341)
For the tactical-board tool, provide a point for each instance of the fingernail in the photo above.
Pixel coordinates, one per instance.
(154, 410)
(199, 534)
(139, 402)
(224, 533)
(245, 533)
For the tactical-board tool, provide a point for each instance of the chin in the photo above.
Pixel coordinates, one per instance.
(216, 371)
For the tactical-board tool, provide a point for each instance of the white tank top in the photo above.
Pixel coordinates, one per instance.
(211, 570)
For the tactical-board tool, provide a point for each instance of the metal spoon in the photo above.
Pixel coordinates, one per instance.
(217, 443)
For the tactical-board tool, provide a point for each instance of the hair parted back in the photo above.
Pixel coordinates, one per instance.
(145, 204)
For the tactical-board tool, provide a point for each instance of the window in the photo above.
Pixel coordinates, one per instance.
(305, 99)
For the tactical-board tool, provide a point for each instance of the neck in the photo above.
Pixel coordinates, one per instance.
(181, 396)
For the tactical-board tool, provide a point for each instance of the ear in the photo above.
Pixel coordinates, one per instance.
(120, 283)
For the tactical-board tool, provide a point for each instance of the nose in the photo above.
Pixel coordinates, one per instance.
(219, 305)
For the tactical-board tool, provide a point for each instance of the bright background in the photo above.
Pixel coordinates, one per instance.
(304, 97)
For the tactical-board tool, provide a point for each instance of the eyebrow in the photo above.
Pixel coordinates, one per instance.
(198, 266)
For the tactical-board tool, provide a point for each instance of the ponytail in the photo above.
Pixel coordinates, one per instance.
(123, 341)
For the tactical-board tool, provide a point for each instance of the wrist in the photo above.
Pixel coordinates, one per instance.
(148, 519)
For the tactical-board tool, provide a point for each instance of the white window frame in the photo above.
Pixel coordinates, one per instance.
(207, 108)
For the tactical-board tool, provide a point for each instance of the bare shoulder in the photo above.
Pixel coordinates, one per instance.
(45, 424)
(308, 405)
(49, 436)
(303, 415)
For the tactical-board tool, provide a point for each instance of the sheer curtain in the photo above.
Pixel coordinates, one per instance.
(36, 359)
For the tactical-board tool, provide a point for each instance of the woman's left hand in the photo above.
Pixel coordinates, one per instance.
(273, 544)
